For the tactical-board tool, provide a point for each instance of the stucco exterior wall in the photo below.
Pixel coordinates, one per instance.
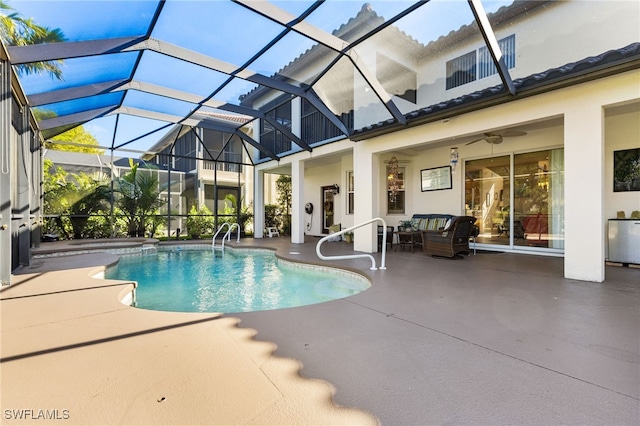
(622, 131)
(315, 178)
(572, 118)
(572, 31)
(550, 36)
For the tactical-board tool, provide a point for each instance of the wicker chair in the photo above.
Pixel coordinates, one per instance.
(451, 240)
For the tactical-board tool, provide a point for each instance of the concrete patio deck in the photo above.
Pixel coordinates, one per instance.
(490, 339)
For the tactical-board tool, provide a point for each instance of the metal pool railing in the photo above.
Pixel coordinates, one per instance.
(227, 235)
(356, 256)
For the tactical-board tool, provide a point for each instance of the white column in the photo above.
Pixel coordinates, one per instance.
(584, 193)
(296, 116)
(366, 197)
(297, 201)
(258, 203)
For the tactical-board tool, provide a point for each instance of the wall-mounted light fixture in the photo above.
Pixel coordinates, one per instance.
(453, 158)
(336, 189)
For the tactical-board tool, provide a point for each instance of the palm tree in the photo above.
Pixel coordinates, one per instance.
(89, 196)
(77, 196)
(18, 31)
(139, 198)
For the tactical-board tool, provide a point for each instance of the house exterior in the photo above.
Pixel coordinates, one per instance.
(574, 66)
(532, 144)
(212, 158)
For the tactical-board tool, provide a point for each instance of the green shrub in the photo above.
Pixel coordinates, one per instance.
(200, 221)
(272, 216)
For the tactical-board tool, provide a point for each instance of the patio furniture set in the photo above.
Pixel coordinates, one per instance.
(438, 235)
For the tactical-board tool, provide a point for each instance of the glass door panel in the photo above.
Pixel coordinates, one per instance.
(487, 197)
(327, 207)
(538, 206)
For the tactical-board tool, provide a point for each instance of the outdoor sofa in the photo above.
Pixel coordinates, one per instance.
(444, 235)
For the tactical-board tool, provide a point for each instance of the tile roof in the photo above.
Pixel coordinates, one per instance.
(236, 118)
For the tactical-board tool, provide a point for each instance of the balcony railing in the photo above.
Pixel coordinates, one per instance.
(226, 163)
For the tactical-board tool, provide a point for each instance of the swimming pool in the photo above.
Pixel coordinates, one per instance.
(206, 280)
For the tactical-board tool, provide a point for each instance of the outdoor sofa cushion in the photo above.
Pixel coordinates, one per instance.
(430, 221)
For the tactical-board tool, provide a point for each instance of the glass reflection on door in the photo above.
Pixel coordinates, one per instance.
(536, 217)
(327, 208)
(487, 197)
(538, 201)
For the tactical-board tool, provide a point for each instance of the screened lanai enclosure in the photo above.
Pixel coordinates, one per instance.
(157, 82)
(199, 93)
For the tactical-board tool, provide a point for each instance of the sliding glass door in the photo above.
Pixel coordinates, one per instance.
(538, 201)
(518, 199)
(487, 183)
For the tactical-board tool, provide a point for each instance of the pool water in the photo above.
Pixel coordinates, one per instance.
(229, 281)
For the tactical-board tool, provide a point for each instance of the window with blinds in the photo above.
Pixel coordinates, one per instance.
(461, 70)
(471, 66)
(486, 67)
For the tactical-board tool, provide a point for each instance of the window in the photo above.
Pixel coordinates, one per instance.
(350, 192)
(486, 67)
(467, 68)
(272, 138)
(316, 127)
(396, 204)
(222, 151)
(461, 70)
(184, 151)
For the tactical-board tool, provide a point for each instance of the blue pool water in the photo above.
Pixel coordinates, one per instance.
(217, 281)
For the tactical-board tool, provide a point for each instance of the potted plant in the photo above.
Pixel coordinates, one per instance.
(348, 236)
(405, 225)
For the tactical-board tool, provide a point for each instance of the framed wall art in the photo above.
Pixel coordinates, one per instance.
(626, 170)
(436, 178)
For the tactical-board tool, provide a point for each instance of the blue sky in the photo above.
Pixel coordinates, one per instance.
(216, 28)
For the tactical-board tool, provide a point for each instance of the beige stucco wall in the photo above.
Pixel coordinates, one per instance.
(622, 131)
(550, 36)
(589, 140)
(315, 178)
(429, 146)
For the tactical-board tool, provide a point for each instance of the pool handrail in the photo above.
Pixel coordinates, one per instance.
(227, 236)
(356, 256)
(220, 228)
(213, 240)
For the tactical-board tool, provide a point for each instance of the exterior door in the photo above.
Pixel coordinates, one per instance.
(528, 214)
(327, 208)
(487, 191)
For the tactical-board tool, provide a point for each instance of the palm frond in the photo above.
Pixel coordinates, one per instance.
(18, 31)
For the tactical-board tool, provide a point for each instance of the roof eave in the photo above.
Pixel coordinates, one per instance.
(533, 85)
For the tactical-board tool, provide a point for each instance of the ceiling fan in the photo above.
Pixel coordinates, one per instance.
(496, 138)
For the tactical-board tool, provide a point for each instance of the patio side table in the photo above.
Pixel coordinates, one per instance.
(408, 239)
